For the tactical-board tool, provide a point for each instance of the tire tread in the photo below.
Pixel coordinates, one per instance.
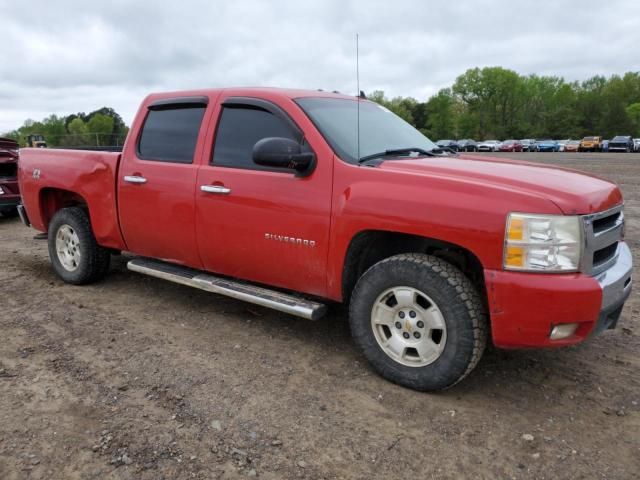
(97, 258)
(470, 304)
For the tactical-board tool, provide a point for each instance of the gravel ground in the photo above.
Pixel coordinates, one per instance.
(138, 378)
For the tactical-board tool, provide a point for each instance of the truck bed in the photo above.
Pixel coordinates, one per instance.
(93, 175)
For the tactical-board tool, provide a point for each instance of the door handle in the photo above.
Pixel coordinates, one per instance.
(135, 179)
(219, 189)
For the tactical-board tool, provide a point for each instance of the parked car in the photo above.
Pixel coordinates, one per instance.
(547, 146)
(467, 145)
(621, 143)
(528, 145)
(604, 146)
(9, 191)
(572, 146)
(434, 254)
(450, 144)
(561, 144)
(591, 144)
(489, 146)
(510, 146)
(636, 144)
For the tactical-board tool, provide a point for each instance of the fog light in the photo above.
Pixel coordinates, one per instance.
(563, 331)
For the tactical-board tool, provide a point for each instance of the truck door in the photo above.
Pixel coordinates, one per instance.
(157, 178)
(260, 223)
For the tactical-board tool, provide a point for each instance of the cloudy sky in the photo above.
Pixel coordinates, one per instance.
(64, 56)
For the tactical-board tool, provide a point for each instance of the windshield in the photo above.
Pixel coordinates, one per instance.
(380, 129)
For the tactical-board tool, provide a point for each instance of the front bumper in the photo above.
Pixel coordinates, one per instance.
(9, 201)
(9, 192)
(616, 288)
(524, 307)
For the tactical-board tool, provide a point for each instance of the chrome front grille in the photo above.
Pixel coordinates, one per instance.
(602, 233)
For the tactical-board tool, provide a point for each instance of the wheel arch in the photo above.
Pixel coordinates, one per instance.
(368, 247)
(53, 200)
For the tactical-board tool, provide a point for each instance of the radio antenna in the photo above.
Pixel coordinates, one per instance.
(359, 96)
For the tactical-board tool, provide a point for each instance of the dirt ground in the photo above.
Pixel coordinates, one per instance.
(139, 378)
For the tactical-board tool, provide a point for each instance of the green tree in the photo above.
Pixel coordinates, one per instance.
(53, 130)
(441, 116)
(633, 112)
(100, 129)
(401, 106)
(496, 96)
(77, 132)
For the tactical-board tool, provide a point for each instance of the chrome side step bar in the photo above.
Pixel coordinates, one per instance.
(282, 302)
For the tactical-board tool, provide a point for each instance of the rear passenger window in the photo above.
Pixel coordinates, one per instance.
(238, 131)
(170, 134)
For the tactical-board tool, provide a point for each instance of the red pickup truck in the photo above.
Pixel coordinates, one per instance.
(292, 199)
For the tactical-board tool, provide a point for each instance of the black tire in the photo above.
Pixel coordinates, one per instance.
(94, 260)
(456, 298)
(9, 212)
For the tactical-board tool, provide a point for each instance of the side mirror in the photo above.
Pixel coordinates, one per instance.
(283, 153)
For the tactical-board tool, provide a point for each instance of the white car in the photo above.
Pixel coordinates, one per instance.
(636, 144)
(489, 146)
(562, 143)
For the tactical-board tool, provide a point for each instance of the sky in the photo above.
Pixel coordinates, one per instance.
(67, 56)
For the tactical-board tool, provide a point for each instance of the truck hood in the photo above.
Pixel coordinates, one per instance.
(571, 191)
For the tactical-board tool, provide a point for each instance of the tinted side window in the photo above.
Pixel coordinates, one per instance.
(170, 135)
(238, 131)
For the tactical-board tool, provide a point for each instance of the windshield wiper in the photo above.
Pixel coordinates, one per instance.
(447, 150)
(397, 151)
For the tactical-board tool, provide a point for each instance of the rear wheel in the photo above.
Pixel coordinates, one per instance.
(419, 321)
(75, 255)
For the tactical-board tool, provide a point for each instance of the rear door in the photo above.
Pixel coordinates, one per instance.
(156, 182)
(258, 223)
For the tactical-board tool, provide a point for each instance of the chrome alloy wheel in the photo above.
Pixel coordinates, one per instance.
(68, 247)
(409, 326)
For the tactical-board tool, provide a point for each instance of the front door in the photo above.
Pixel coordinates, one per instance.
(257, 223)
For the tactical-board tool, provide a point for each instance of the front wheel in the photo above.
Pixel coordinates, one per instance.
(75, 255)
(419, 321)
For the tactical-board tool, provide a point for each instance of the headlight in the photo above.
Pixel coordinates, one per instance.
(542, 243)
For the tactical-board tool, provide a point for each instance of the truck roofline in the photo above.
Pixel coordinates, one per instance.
(289, 93)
